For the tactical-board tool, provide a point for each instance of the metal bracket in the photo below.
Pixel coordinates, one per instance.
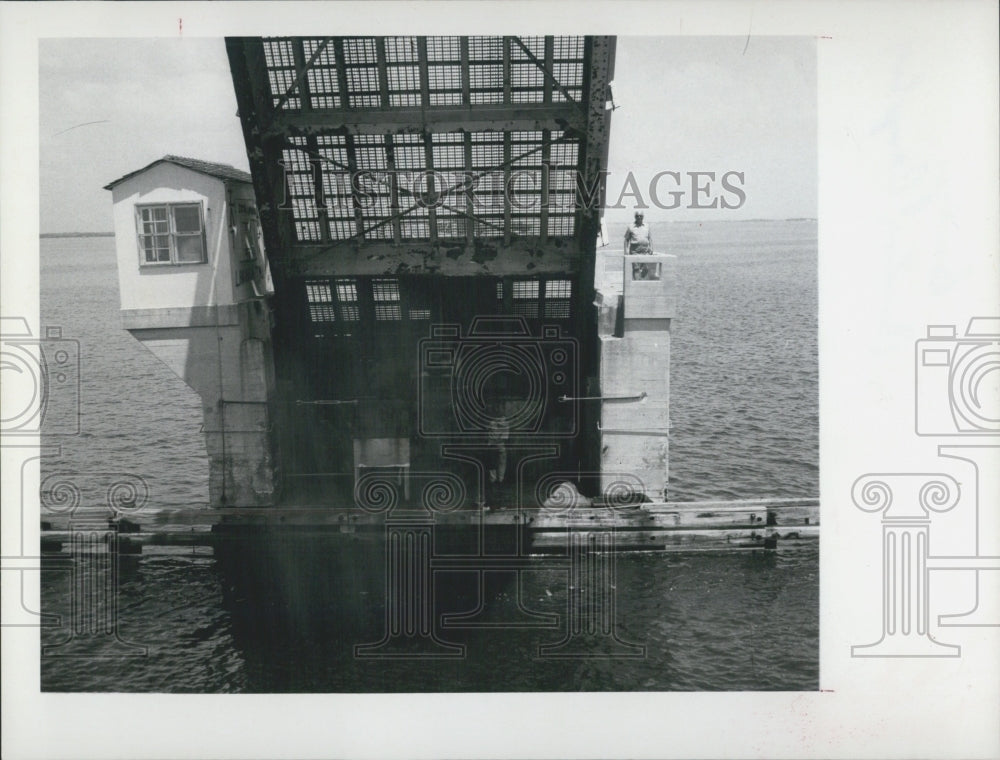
(632, 397)
(662, 433)
(324, 402)
(265, 429)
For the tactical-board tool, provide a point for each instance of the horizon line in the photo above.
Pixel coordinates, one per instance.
(110, 233)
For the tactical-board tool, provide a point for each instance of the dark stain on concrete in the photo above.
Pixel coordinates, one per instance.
(484, 253)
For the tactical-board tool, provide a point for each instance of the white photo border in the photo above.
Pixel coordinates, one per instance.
(908, 236)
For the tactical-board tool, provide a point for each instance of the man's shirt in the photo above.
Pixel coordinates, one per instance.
(638, 239)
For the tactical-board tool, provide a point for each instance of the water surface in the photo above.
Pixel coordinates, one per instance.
(286, 615)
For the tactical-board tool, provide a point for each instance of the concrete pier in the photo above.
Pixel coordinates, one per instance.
(637, 301)
(193, 280)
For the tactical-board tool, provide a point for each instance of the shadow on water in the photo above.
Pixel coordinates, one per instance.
(294, 612)
(308, 613)
(318, 613)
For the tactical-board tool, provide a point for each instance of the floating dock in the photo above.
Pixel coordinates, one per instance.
(765, 524)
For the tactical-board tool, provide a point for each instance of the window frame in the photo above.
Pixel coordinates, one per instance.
(172, 233)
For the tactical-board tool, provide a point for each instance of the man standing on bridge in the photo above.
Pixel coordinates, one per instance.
(638, 238)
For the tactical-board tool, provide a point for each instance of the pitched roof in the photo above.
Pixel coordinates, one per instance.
(222, 171)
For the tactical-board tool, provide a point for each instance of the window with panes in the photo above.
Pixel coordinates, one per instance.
(170, 233)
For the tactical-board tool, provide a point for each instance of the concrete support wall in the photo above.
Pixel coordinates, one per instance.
(634, 315)
(224, 354)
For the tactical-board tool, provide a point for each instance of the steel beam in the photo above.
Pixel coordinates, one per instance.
(473, 118)
(597, 74)
(445, 258)
(246, 61)
(546, 69)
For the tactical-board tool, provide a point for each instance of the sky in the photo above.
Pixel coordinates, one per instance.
(683, 104)
(715, 104)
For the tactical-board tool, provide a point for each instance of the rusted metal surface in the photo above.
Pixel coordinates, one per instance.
(273, 114)
(420, 160)
(448, 259)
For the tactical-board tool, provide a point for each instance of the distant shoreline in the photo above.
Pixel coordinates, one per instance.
(75, 234)
(625, 221)
(659, 220)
